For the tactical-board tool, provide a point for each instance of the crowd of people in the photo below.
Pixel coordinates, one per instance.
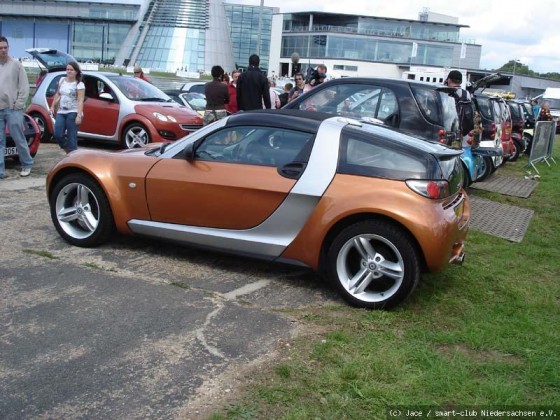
(251, 90)
(225, 94)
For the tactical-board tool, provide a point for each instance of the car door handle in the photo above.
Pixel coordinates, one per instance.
(292, 170)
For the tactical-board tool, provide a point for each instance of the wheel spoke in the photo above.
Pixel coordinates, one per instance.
(89, 221)
(391, 269)
(363, 246)
(82, 195)
(360, 281)
(68, 214)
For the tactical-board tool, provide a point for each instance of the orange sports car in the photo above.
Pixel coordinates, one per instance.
(366, 205)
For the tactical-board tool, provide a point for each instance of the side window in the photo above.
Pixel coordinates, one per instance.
(375, 157)
(53, 86)
(427, 100)
(255, 146)
(92, 89)
(388, 108)
(354, 100)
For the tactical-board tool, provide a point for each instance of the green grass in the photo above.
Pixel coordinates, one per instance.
(485, 333)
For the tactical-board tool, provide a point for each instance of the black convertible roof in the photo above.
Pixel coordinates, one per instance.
(282, 118)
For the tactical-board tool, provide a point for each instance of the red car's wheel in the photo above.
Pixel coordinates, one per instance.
(135, 135)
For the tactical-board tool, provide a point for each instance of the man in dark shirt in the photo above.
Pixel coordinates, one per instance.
(252, 87)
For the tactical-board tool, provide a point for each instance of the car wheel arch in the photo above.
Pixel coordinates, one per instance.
(347, 221)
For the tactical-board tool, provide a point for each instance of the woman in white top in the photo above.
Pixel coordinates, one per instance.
(70, 94)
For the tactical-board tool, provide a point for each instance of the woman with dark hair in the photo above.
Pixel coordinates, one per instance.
(217, 96)
(70, 100)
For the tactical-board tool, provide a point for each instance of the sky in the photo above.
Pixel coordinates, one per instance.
(527, 30)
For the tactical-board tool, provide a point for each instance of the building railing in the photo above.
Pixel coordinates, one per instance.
(378, 32)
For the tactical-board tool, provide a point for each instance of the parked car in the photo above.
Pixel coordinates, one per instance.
(421, 109)
(517, 127)
(31, 132)
(528, 114)
(490, 134)
(365, 204)
(193, 101)
(416, 108)
(194, 87)
(118, 109)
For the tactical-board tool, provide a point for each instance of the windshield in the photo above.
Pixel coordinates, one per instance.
(553, 103)
(139, 90)
(197, 101)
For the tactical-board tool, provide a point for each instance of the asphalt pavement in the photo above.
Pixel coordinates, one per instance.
(134, 328)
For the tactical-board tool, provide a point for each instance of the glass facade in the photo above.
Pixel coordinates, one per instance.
(329, 36)
(97, 42)
(243, 24)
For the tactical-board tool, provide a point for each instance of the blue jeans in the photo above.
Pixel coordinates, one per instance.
(14, 119)
(66, 123)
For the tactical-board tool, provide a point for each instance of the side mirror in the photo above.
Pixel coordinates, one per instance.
(189, 152)
(105, 95)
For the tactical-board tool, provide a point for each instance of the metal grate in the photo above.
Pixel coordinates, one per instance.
(501, 220)
(517, 187)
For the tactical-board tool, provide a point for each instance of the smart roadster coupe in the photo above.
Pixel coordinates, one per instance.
(369, 207)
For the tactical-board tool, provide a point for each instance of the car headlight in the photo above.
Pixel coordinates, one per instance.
(162, 117)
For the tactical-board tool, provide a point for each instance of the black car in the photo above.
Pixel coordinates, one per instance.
(421, 109)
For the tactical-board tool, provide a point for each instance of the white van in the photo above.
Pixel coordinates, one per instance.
(552, 96)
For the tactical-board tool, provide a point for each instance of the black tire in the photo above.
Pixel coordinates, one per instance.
(80, 211)
(487, 166)
(467, 181)
(528, 139)
(46, 135)
(373, 249)
(135, 135)
(517, 149)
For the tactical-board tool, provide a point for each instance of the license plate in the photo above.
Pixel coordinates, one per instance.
(10, 151)
(459, 209)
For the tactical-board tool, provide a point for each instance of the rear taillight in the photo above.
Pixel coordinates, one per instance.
(492, 131)
(441, 134)
(429, 189)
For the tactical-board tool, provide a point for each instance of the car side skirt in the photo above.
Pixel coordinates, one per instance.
(268, 240)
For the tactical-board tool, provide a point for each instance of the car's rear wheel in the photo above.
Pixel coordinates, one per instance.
(46, 135)
(80, 211)
(135, 135)
(373, 264)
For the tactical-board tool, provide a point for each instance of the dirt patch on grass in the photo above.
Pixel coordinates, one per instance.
(451, 351)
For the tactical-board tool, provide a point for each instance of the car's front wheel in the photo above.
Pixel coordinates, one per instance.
(373, 264)
(81, 211)
(135, 135)
(485, 168)
(517, 149)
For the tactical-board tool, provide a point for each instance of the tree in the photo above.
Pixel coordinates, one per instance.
(517, 67)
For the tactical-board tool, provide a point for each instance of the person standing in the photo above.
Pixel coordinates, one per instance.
(297, 90)
(217, 96)
(463, 103)
(286, 94)
(139, 74)
(231, 106)
(544, 113)
(252, 87)
(536, 108)
(315, 77)
(70, 97)
(14, 91)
